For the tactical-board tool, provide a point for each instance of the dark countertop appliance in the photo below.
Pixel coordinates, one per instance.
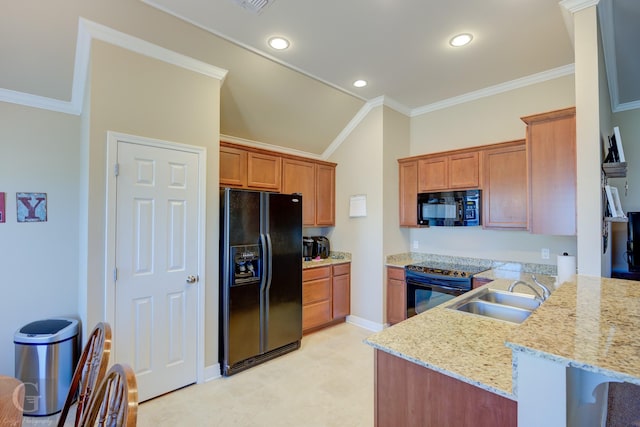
(307, 248)
(450, 208)
(432, 283)
(260, 277)
(321, 247)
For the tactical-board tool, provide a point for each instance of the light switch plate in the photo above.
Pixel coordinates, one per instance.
(544, 253)
(416, 244)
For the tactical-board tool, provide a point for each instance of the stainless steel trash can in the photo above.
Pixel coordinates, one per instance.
(46, 355)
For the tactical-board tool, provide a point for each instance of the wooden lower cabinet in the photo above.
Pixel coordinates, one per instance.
(396, 295)
(325, 296)
(476, 282)
(341, 291)
(410, 395)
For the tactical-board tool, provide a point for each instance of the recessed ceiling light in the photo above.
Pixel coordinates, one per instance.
(461, 40)
(278, 43)
(360, 83)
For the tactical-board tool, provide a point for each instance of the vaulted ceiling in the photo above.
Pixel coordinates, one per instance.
(302, 98)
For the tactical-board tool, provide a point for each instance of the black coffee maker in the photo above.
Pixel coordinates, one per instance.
(321, 247)
(307, 248)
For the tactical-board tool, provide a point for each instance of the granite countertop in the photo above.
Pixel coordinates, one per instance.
(334, 258)
(462, 345)
(592, 323)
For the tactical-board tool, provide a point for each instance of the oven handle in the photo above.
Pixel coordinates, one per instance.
(436, 285)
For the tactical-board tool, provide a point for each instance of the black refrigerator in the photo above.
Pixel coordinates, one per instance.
(260, 277)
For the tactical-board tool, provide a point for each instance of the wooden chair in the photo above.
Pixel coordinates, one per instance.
(90, 370)
(115, 402)
(11, 401)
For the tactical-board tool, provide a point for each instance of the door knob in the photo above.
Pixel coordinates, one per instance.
(191, 279)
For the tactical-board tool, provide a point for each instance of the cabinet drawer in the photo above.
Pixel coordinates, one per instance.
(395, 273)
(316, 290)
(316, 273)
(316, 314)
(340, 269)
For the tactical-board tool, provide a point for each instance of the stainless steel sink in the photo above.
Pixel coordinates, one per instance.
(495, 311)
(508, 306)
(511, 299)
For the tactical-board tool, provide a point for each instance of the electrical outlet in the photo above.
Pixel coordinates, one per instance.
(416, 244)
(544, 253)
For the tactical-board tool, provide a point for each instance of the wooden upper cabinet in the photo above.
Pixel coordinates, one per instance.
(233, 167)
(464, 170)
(408, 193)
(300, 177)
(433, 174)
(505, 194)
(449, 172)
(256, 169)
(264, 171)
(551, 152)
(325, 195)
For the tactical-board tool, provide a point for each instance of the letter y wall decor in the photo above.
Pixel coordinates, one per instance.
(31, 207)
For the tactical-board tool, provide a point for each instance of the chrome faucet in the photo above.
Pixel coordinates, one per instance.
(541, 297)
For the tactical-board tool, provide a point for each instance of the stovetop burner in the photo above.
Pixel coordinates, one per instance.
(445, 269)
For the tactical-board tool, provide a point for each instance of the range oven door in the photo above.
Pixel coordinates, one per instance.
(422, 296)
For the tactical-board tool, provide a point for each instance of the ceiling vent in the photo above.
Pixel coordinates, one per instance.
(255, 6)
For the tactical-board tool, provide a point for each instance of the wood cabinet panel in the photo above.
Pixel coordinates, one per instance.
(316, 314)
(316, 290)
(408, 193)
(325, 195)
(326, 296)
(396, 295)
(300, 177)
(264, 171)
(233, 167)
(505, 195)
(464, 170)
(407, 394)
(551, 152)
(449, 172)
(341, 295)
(476, 282)
(433, 174)
(316, 273)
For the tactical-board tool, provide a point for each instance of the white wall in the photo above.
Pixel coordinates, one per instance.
(137, 95)
(359, 160)
(38, 261)
(485, 121)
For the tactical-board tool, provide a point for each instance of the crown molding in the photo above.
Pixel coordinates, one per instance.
(264, 146)
(574, 6)
(494, 90)
(88, 31)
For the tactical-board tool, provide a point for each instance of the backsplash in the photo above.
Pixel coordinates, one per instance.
(413, 257)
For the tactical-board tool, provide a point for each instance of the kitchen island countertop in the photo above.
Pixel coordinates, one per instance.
(589, 322)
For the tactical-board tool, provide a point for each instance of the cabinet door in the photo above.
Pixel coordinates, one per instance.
(408, 193)
(264, 171)
(505, 196)
(464, 170)
(300, 177)
(551, 144)
(341, 291)
(325, 195)
(433, 174)
(233, 167)
(396, 295)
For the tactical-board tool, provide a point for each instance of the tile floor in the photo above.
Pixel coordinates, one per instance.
(327, 382)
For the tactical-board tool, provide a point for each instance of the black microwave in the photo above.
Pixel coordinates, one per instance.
(449, 208)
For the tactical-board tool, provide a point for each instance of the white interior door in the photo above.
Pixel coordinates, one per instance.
(156, 298)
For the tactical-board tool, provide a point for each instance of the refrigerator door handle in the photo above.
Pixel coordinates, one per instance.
(265, 256)
(269, 262)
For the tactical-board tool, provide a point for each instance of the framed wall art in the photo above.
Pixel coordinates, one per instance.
(31, 207)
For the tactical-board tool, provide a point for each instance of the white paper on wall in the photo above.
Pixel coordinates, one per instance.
(358, 205)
